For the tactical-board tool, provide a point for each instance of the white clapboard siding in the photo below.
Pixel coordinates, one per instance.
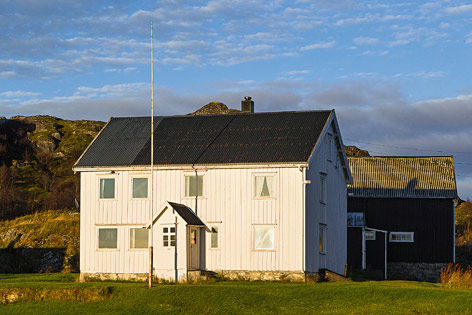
(228, 201)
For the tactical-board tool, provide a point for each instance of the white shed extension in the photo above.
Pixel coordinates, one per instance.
(252, 195)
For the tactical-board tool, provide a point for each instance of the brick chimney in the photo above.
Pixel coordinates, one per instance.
(247, 106)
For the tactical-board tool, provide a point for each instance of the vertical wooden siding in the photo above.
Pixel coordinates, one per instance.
(228, 200)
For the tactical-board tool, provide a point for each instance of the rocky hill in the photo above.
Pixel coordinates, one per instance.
(36, 157)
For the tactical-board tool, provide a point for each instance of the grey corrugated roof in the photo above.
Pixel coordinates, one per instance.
(212, 139)
(188, 215)
(402, 177)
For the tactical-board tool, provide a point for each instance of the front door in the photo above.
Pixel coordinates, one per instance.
(194, 248)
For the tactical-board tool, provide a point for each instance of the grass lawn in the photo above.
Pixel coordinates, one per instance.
(369, 297)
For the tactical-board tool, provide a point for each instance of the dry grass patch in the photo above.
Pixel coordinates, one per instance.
(454, 276)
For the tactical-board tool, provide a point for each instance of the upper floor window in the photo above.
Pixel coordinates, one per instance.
(193, 185)
(107, 188)
(264, 186)
(140, 187)
(323, 192)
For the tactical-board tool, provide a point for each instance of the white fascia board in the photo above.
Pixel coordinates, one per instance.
(188, 167)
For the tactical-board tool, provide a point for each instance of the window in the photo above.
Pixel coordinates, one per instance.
(140, 187)
(193, 237)
(107, 188)
(369, 235)
(214, 232)
(323, 229)
(264, 186)
(323, 188)
(194, 186)
(168, 236)
(264, 238)
(329, 147)
(138, 238)
(107, 238)
(405, 237)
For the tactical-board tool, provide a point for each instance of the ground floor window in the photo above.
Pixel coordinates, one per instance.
(405, 237)
(107, 238)
(214, 230)
(323, 229)
(138, 238)
(264, 237)
(168, 236)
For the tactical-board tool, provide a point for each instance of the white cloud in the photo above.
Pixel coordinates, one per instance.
(361, 40)
(296, 72)
(321, 45)
(459, 9)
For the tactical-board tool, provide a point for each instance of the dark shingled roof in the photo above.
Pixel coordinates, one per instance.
(188, 215)
(402, 177)
(212, 139)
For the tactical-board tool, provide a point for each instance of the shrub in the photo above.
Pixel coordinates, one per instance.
(454, 276)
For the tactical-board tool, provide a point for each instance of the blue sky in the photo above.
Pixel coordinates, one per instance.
(397, 73)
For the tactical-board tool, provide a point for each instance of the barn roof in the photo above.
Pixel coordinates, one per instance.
(402, 177)
(208, 139)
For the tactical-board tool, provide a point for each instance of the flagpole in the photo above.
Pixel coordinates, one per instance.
(152, 168)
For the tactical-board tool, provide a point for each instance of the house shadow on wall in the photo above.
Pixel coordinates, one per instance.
(33, 260)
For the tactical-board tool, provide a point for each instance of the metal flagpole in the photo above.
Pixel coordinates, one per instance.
(152, 168)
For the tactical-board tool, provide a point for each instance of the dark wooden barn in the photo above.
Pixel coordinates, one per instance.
(401, 215)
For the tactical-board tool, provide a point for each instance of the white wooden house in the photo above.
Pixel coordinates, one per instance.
(251, 195)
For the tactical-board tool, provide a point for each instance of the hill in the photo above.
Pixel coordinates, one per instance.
(36, 158)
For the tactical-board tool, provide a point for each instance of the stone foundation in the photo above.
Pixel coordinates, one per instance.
(251, 275)
(203, 275)
(429, 272)
(137, 277)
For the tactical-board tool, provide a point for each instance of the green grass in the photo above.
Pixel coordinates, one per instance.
(370, 297)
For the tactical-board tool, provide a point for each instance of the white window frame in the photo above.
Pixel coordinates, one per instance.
(274, 176)
(322, 239)
(189, 174)
(169, 234)
(323, 188)
(132, 186)
(370, 235)
(129, 235)
(218, 228)
(99, 186)
(412, 240)
(98, 228)
(265, 226)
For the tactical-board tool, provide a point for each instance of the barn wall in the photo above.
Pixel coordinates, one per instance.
(331, 214)
(228, 202)
(430, 219)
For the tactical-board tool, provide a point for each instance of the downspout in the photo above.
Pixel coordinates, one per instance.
(363, 249)
(453, 231)
(304, 182)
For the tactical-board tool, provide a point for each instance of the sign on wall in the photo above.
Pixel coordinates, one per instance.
(355, 219)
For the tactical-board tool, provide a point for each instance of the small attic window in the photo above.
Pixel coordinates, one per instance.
(264, 186)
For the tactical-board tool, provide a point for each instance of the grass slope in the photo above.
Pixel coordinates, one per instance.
(387, 297)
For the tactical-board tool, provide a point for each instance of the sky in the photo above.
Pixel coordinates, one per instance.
(397, 73)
